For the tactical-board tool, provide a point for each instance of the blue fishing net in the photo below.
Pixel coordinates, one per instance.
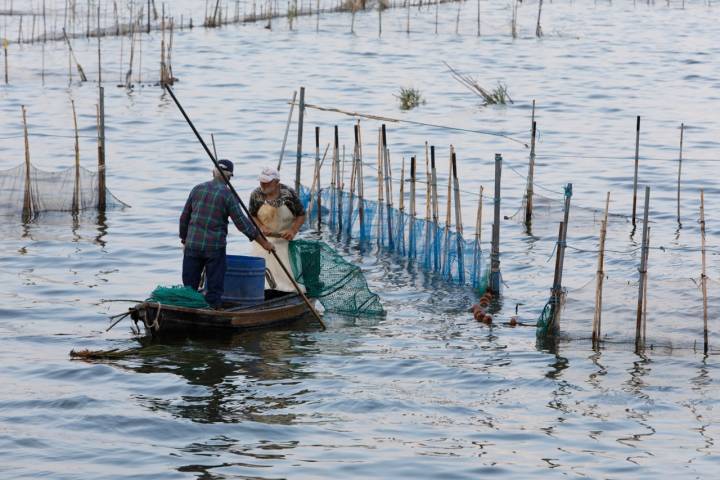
(435, 248)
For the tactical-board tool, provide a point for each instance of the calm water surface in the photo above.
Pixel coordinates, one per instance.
(426, 392)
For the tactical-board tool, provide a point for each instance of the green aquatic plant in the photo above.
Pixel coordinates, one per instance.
(410, 98)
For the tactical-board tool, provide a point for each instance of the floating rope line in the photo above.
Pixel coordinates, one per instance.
(383, 118)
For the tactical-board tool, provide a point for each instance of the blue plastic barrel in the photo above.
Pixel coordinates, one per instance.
(244, 280)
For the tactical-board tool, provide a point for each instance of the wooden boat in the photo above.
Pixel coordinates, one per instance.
(278, 309)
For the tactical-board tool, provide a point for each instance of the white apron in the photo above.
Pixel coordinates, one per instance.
(278, 220)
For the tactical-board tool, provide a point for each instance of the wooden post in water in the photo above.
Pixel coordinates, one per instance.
(317, 175)
(101, 150)
(381, 187)
(478, 18)
(494, 285)
(334, 180)
(412, 247)
(287, 129)
(538, 28)
(388, 187)
(76, 187)
(448, 216)
(458, 222)
(478, 235)
(380, 9)
(703, 276)
(360, 182)
(680, 159)
(435, 210)
(27, 197)
(643, 273)
(5, 49)
(597, 318)
(531, 174)
(298, 162)
(401, 210)
(637, 161)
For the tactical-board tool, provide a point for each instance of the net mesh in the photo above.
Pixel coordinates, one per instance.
(339, 285)
(179, 296)
(435, 248)
(65, 190)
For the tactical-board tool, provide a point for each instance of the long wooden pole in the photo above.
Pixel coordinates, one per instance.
(680, 159)
(381, 186)
(298, 162)
(27, 198)
(495, 249)
(458, 221)
(531, 174)
(101, 150)
(317, 177)
(597, 318)
(643, 273)
(360, 182)
(76, 187)
(244, 208)
(287, 129)
(703, 276)
(435, 210)
(412, 247)
(637, 162)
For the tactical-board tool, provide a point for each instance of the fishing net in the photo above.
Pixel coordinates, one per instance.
(339, 285)
(433, 247)
(65, 190)
(179, 296)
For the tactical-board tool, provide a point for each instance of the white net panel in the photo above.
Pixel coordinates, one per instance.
(65, 190)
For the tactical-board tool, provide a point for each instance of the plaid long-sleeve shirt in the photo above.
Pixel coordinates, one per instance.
(204, 220)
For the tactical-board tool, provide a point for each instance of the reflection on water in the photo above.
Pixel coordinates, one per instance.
(230, 370)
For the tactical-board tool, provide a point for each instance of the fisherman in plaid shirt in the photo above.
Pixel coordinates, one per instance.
(203, 232)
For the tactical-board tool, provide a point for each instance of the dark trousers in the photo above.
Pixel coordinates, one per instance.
(215, 264)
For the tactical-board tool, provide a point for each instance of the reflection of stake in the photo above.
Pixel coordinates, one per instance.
(83, 78)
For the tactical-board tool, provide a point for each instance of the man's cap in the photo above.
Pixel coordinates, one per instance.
(226, 166)
(268, 174)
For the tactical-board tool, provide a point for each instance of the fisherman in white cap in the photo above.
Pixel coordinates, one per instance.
(278, 212)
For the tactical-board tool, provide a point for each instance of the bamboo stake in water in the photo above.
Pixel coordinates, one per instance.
(381, 186)
(446, 266)
(495, 249)
(703, 276)
(478, 238)
(5, 49)
(380, 9)
(478, 18)
(317, 175)
(458, 221)
(530, 177)
(334, 179)
(360, 182)
(637, 161)
(427, 183)
(27, 198)
(597, 318)
(643, 272)
(413, 213)
(298, 162)
(538, 28)
(101, 150)
(401, 209)
(76, 188)
(388, 187)
(680, 159)
(435, 210)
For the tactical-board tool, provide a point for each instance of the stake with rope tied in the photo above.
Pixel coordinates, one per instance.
(244, 208)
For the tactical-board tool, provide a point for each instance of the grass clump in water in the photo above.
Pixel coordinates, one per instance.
(410, 98)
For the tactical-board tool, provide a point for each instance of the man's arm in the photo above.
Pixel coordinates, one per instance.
(185, 217)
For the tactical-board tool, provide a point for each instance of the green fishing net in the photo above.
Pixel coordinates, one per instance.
(179, 296)
(339, 285)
